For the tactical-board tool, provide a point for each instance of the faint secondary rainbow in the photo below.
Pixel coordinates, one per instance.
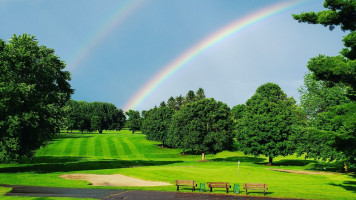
(232, 28)
(123, 10)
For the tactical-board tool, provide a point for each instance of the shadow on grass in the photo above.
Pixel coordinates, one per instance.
(71, 135)
(347, 185)
(69, 164)
(293, 162)
(50, 159)
(241, 159)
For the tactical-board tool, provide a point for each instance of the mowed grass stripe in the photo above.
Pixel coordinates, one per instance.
(134, 150)
(105, 145)
(127, 151)
(76, 146)
(119, 148)
(112, 147)
(83, 147)
(91, 147)
(98, 150)
(68, 147)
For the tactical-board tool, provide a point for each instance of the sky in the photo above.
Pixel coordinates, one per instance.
(117, 50)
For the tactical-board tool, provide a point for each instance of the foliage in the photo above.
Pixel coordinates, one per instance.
(93, 116)
(268, 122)
(204, 125)
(190, 97)
(337, 134)
(156, 123)
(337, 69)
(200, 94)
(34, 89)
(134, 122)
(316, 96)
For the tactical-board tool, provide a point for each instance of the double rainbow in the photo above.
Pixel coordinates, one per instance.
(202, 46)
(121, 12)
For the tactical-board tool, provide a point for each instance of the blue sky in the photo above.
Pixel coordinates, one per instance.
(152, 33)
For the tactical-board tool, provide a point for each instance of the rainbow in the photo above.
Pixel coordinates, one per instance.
(122, 11)
(232, 28)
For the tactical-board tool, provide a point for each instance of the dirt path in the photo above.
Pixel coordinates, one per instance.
(105, 194)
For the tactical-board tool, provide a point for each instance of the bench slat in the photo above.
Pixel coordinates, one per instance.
(256, 186)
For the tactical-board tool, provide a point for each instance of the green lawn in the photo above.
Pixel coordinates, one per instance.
(133, 155)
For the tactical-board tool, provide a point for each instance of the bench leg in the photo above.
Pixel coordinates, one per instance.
(177, 187)
(211, 189)
(264, 192)
(227, 190)
(193, 189)
(246, 191)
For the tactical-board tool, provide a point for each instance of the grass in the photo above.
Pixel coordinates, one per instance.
(133, 155)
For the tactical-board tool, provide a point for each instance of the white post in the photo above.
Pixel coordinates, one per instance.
(238, 168)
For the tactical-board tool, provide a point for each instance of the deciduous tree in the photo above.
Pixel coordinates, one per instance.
(34, 88)
(204, 125)
(267, 123)
(134, 121)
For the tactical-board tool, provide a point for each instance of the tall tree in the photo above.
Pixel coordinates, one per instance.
(200, 94)
(204, 125)
(179, 101)
(317, 96)
(156, 124)
(134, 121)
(267, 123)
(190, 97)
(172, 103)
(337, 69)
(34, 89)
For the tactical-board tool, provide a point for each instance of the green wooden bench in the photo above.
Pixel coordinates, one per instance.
(189, 183)
(256, 186)
(225, 185)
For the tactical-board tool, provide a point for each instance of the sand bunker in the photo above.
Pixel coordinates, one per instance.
(303, 172)
(113, 180)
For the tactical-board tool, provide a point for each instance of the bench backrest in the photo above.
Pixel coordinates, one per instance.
(255, 185)
(185, 182)
(218, 184)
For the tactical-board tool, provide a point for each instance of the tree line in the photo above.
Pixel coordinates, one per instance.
(93, 116)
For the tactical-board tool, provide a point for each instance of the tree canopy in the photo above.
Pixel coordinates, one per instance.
(204, 125)
(34, 88)
(93, 116)
(340, 69)
(134, 121)
(267, 123)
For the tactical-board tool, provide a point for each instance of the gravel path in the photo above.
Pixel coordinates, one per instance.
(105, 194)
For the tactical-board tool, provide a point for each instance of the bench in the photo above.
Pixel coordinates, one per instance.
(256, 186)
(212, 185)
(190, 183)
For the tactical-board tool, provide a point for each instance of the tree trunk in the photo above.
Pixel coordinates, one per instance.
(100, 131)
(183, 151)
(346, 170)
(203, 156)
(270, 160)
(133, 131)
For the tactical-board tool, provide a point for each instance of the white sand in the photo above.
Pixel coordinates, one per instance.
(113, 180)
